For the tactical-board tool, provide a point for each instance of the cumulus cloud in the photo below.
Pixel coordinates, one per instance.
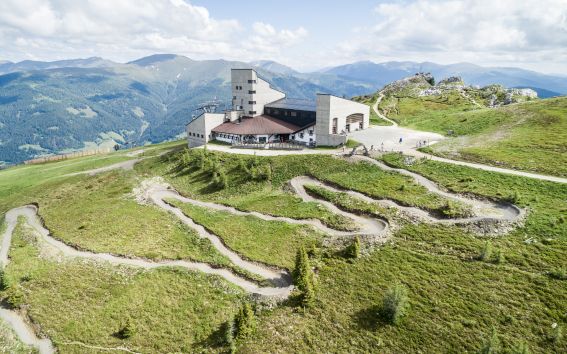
(268, 40)
(454, 30)
(122, 29)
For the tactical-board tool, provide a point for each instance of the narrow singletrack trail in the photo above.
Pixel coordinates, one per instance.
(378, 113)
(158, 194)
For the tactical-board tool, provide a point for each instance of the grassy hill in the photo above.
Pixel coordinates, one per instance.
(457, 299)
(489, 125)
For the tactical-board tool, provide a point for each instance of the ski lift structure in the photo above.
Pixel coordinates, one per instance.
(211, 106)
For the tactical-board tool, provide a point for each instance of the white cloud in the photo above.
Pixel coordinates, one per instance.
(118, 29)
(489, 31)
(266, 40)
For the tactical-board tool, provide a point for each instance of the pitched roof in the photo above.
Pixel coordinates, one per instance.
(259, 125)
(294, 103)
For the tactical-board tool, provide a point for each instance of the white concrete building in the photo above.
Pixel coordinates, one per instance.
(262, 114)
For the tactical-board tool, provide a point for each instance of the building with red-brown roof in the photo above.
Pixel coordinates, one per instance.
(263, 114)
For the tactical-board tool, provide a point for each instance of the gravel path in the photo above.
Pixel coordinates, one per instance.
(378, 113)
(483, 210)
(156, 193)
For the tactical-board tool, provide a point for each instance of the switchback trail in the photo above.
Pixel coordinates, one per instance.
(156, 192)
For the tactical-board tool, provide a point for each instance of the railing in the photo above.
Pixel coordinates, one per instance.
(290, 145)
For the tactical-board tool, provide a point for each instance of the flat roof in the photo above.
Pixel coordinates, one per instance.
(259, 125)
(294, 103)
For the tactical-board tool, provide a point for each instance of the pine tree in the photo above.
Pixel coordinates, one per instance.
(3, 280)
(127, 330)
(245, 322)
(354, 249)
(395, 303)
(304, 278)
(491, 345)
(486, 252)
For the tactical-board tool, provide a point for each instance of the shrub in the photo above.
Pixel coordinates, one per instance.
(556, 333)
(243, 167)
(15, 296)
(521, 348)
(452, 209)
(500, 258)
(127, 330)
(491, 345)
(558, 273)
(513, 198)
(353, 250)
(486, 252)
(244, 322)
(229, 335)
(4, 284)
(395, 303)
(220, 179)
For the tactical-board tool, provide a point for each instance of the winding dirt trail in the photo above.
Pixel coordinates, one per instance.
(483, 210)
(157, 193)
(375, 108)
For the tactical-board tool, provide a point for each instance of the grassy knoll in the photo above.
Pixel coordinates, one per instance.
(347, 202)
(271, 242)
(424, 113)
(529, 136)
(269, 196)
(242, 192)
(171, 310)
(96, 213)
(21, 183)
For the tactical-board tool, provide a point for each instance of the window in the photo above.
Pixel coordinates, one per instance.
(251, 81)
(293, 114)
(233, 97)
(251, 112)
(268, 111)
(251, 92)
(300, 135)
(203, 136)
(293, 137)
(311, 133)
(251, 102)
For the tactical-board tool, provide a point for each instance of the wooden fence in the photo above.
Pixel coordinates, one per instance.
(68, 156)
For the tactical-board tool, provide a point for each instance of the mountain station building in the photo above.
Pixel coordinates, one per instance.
(261, 114)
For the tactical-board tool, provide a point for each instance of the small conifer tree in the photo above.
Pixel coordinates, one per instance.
(304, 278)
(3, 280)
(354, 248)
(486, 252)
(395, 303)
(491, 345)
(245, 322)
(127, 330)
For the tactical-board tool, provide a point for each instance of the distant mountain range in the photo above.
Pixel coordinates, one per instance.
(51, 107)
(384, 73)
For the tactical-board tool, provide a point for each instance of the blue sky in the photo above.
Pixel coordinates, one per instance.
(306, 35)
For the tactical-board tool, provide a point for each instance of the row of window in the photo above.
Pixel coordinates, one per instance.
(251, 81)
(197, 135)
(251, 102)
(288, 113)
(252, 112)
